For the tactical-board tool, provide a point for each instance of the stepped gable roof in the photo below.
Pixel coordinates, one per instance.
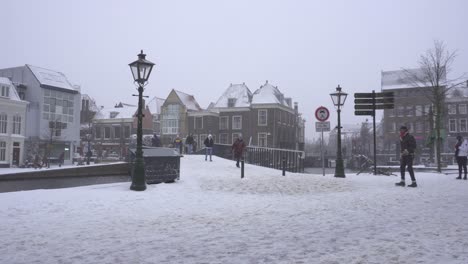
(400, 80)
(269, 94)
(121, 110)
(51, 78)
(189, 101)
(240, 92)
(13, 94)
(155, 105)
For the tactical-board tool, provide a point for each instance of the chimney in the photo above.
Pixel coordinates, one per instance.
(296, 108)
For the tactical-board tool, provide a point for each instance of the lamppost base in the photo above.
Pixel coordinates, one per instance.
(340, 176)
(138, 187)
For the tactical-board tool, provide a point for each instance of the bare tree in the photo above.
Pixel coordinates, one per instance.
(434, 66)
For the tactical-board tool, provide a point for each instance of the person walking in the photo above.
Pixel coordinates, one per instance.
(178, 144)
(407, 148)
(209, 146)
(461, 153)
(189, 142)
(61, 159)
(238, 148)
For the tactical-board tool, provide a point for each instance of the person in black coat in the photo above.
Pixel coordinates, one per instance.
(189, 142)
(407, 147)
(209, 146)
(155, 142)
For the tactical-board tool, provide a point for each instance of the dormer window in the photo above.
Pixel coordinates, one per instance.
(113, 114)
(5, 91)
(231, 102)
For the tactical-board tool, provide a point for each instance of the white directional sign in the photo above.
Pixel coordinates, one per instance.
(322, 126)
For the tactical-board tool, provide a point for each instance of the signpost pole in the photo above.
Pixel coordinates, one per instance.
(375, 132)
(323, 156)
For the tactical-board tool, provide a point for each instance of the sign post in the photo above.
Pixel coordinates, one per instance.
(322, 114)
(367, 103)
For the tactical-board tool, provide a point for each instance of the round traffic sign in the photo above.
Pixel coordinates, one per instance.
(322, 114)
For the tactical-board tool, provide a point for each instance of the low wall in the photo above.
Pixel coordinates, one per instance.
(65, 177)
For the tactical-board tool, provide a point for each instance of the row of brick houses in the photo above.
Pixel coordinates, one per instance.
(264, 118)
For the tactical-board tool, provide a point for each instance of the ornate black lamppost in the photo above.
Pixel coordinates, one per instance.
(141, 70)
(88, 153)
(339, 99)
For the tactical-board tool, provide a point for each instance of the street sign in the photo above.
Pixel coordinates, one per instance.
(377, 100)
(377, 95)
(363, 95)
(322, 126)
(363, 113)
(385, 106)
(322, 114)
(369, 107)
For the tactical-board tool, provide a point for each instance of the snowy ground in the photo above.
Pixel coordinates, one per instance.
(212, 216)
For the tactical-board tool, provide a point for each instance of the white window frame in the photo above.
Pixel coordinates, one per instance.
(463, 125)
(224, 120)
(5, 91)
(110, 132)
(452, 109)
(240, 122)
(454, 123)
(16, 125)
(266, 117)
(2, 151)
(3, 123)
(418, 110)
(262, 136)
(462, 109)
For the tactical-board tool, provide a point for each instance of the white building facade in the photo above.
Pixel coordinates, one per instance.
(12, 125)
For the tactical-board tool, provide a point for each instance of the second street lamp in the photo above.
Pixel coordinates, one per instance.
(339, 99)
(141, 70)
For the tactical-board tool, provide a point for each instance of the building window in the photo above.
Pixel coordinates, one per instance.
(223, 138)
(428, 126)
(452, 125)
(400, 111)
(462, 127)
(235, 136)
(58, 106)
(202, 140)
(16, 125)
(409, 111)
(462, 109)
(170, 119)
(2, 150)
(98, 132)
(452, 109)
(394, 127)
(116, 132)
(107, 132)
(237, 122)
(5, 91)
(127, 132)
(391, 112)
(427, 109)
(419, 110)
(198, 122)
(3, 123)
(224, 123)
(231, 102)
(262, 117)
(262, 139)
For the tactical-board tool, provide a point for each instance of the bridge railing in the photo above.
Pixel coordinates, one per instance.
(266, 157)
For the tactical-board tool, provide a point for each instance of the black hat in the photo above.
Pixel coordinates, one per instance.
(403, 127)
(459, 137)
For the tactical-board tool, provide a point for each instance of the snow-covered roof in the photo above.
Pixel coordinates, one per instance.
(51, 78)
(126, 111)
(155, 105)
(401, 79)
(189, 101)
(240, 92)
(13, 94)
(458, 93)
(269, 94)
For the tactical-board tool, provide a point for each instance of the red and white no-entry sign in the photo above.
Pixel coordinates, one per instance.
(322, 114)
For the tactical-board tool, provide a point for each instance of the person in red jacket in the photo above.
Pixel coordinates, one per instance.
(238, 148)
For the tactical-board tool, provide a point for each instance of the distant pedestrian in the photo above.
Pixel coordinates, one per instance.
(189, 142)
(61, 158)
(209, 146)
(407, 147)
(37, 162)
(461, 153)
(178, 144)
(155, 141)
(238, 148)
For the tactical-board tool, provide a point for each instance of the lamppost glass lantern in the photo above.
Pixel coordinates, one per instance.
(339, 99)
(141, 70)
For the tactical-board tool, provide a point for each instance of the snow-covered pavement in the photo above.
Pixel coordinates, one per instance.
(213, 216)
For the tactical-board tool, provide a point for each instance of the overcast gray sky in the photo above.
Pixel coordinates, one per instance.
(306, 48)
